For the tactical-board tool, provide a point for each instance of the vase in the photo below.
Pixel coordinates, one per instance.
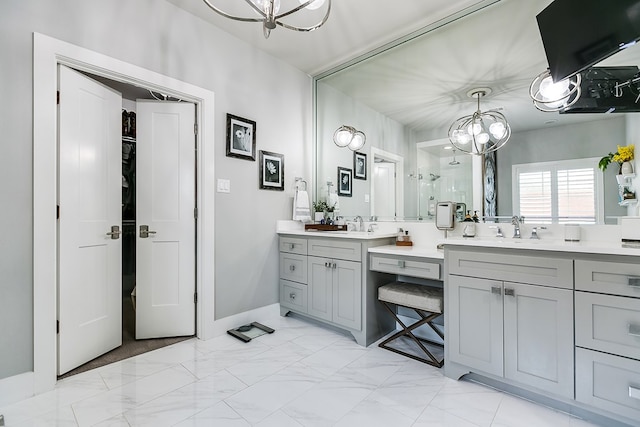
(626, 168)
(318, 216)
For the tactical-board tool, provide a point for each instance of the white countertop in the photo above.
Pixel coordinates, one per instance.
(608, 248)
(416, 251)
(358, 235)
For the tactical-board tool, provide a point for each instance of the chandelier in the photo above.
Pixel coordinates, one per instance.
(348, 136)
(549, 96)
(480, 132)
(268, 12)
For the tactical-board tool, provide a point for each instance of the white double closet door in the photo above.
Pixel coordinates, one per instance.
(90, 219)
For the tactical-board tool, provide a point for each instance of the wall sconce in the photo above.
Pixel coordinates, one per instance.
(348, 136)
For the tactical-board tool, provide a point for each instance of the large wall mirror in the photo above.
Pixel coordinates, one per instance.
(404, 98)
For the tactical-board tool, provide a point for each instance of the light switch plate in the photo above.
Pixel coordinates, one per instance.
(366, 198)
(224, 186)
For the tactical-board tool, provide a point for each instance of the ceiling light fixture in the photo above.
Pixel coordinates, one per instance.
(348, 136)
(549, 96)
(480, 132)
(268, 11)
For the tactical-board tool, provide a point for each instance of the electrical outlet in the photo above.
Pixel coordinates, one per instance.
(366, 198)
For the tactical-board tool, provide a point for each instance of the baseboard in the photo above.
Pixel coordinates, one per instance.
(221, 326)
(16, 388)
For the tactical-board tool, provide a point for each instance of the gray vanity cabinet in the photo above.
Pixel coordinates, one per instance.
(329, 279)
(608, 335)
(522, 332)
(335, 291)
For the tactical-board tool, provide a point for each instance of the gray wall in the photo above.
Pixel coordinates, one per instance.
(158, 36)
(590, 139)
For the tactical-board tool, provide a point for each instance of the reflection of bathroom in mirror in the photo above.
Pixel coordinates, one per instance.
(405, 97)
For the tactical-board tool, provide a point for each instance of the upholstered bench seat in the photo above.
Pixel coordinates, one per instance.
(427, 302)
(425, 298)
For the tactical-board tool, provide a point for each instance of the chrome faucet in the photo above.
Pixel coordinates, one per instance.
(534, 232)
(515, 221)
(360, 223)
(498, 230)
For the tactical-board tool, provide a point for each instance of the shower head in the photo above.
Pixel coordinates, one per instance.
(434, 176)
(454, 162)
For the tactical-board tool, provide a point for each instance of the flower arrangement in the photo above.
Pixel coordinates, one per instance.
(624, 154)
(320, 206)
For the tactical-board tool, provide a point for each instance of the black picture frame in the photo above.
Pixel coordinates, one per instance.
(241, 138)
(359, 165)
(345, 182)
(489, 176)
(271, 171)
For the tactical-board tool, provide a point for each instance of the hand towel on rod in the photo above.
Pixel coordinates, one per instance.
(301, 211)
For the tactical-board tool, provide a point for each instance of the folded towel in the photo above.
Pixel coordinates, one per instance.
(301, 211)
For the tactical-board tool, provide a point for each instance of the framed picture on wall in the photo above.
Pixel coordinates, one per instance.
(489, 180)
(345, 181)
(271, 171)
(359, 165)
(241, 138)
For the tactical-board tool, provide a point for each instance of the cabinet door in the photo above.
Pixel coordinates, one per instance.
(474, 335)
(320, 289)
(347, 294)
(538, 337)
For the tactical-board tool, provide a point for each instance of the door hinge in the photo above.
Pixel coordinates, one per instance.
(195, 128)
(57, 326)
(57, 211)
(195, 298)
(195, 213)
(58, 97)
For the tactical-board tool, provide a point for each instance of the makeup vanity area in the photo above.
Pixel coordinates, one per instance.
(552, 321)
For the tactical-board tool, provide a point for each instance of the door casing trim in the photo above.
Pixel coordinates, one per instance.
(47, 54)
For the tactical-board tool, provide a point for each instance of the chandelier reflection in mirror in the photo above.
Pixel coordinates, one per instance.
(480, 132)
(348, 136)
(549, 96)
(268, 12)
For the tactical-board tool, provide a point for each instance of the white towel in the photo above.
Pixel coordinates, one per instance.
(301, 211)
(335, 202)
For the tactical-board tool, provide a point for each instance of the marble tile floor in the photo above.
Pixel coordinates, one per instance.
(301, 375)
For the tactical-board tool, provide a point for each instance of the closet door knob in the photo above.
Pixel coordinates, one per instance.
(115, 232)
(144, 231)
(292, 267)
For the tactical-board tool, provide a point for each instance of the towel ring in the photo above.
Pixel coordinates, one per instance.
(298, 182)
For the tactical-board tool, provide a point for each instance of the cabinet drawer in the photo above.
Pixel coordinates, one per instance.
(535, 270)
(405, 266)
(293, 267)
(338, 249)
(608, 323)
(293, 295)
(614, 278)
(293, 245)
(608, 382)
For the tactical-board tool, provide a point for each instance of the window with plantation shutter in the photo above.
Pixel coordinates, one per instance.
(566, 191)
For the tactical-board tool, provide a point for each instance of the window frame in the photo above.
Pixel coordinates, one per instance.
(553, 167)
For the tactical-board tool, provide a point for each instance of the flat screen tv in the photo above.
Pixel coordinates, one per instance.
(599, 94)
(578, 34)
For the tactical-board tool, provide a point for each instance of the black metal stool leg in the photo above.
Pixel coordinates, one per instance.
(406, 331)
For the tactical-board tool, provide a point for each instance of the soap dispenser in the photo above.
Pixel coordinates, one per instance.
(469, 226)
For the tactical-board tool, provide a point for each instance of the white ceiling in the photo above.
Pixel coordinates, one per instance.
(423, 83)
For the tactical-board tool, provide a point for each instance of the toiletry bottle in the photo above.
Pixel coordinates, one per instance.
(469, 226)
(475, 216)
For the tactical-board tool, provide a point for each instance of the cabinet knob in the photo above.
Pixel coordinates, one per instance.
(334, 265)
(497, 290)
(292, 295)
(400, 263)
(326, 264)
(510, 292)
(292, 246)
(292, 267)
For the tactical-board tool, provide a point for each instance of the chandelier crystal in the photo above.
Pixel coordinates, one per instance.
(480, 132)
(268, 12)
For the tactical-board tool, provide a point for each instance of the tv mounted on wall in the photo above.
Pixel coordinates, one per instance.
(578, 34)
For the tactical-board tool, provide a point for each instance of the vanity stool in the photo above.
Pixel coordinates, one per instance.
(427, 301)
